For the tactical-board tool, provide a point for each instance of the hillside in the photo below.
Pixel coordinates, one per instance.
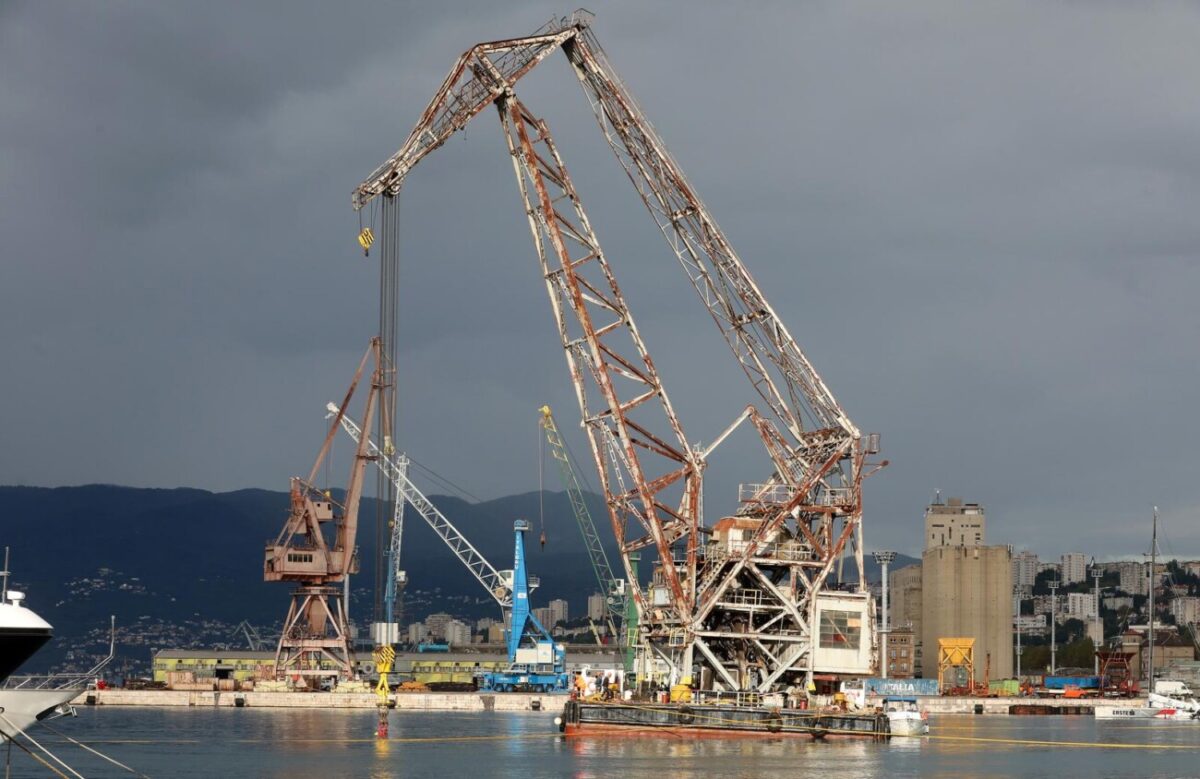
(181, 567)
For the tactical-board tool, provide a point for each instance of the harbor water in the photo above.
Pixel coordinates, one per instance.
(321, 743)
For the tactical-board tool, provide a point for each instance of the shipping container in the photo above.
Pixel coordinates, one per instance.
(1004, 688)
(883, 687)
(1062, 682)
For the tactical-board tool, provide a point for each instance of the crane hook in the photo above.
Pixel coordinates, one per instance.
(366, 237)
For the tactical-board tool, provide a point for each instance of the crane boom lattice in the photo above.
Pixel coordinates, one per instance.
(747, 598)
(396, 470)
(610, 586)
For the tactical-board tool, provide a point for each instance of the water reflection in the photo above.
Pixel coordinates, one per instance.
(312, 744)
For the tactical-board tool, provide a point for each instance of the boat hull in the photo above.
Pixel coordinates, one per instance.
(1125, 712)
(699, 721)
(904, 724)
(19, 709)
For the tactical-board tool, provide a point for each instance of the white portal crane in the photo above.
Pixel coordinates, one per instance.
(395, 468)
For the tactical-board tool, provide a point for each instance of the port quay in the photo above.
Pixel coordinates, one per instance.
(509, 702)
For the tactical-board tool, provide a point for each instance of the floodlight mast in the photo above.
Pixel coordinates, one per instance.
(800, 520)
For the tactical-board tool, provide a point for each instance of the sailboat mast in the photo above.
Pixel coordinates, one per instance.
(1153, 560)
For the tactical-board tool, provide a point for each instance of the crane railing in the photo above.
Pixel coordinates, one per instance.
(496, 584)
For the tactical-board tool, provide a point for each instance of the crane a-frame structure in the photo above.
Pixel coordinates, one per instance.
(315, 641)
(750, 608)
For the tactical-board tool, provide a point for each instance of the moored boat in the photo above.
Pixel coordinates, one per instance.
(1157, 707)
(27, 700)
(904, 717)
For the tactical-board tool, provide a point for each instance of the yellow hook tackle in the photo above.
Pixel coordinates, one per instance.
(366, 237)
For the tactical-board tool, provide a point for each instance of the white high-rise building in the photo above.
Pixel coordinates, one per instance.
(1133, 576)
(1186, 610)
(558, 612)
(1025, 568)
(1081, 605)
(596, 607)
(1073, 567)
(458, 633)
(416, 632)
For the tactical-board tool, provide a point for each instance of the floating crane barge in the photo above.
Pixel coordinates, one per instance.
(700, 721)
(742, 605)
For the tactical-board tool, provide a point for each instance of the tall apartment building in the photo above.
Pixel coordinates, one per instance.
(1073, 567)
(458, 633)
(435, 625)
(966, 588)
(1081, 605)
(1132, 576)
(558, 612)
(954, 523)
(1115, 602)
(904, 607)
(1024, 568)
(596, 606)
(1185, 610)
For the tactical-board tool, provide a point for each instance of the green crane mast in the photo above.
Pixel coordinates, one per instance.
(610, 586)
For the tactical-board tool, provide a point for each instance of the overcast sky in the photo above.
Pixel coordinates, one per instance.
(979, 220)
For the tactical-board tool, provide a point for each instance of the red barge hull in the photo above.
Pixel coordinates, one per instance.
(650, 720)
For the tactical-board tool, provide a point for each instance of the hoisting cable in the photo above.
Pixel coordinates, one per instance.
(444, 481)
(36, 757)
(48, 753)
(95, 752)
(541, 459)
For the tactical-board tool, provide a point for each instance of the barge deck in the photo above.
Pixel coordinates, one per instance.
(715, 721)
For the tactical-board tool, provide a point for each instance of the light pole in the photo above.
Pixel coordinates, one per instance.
(883, 558)
(1053, 626)
(1097, 574)
(1017, 599)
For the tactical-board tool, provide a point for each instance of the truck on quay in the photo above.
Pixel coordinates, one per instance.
(1071, 686)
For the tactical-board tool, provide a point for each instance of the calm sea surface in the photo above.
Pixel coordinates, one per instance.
(230, 743)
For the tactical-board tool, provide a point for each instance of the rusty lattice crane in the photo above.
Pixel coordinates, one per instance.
(749, 607)
(316, 551)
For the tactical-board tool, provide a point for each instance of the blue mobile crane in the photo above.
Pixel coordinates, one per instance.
(536, 663)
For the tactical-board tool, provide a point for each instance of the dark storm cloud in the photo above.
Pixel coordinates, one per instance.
(978, 219)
